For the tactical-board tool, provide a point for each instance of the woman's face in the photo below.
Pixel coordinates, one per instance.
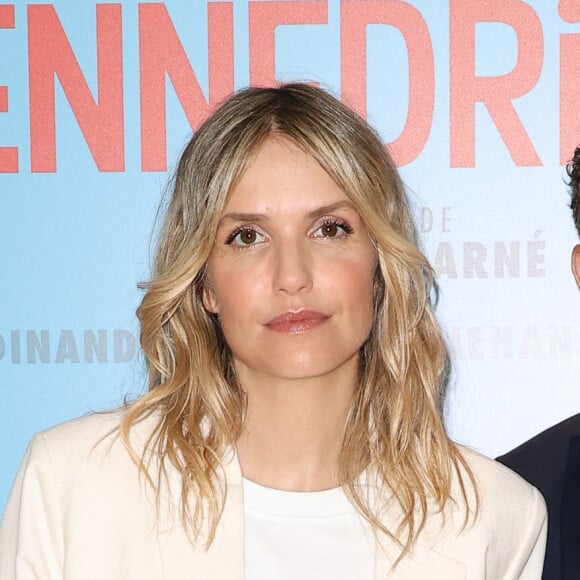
(291, 273)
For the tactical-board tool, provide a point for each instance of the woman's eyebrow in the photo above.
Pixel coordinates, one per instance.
(325, 209)
(260, 217)
(242, 217)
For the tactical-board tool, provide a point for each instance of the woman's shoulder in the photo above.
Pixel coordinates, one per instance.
(511, 512)
(83, 458)
(82, 429)
(79, 491)
(499, 486)
(79, 435)
(93, 440)
(505, 536)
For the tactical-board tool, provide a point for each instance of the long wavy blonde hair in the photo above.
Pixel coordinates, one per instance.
(394, 429)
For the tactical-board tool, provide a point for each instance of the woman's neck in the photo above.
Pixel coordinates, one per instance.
(293, 430)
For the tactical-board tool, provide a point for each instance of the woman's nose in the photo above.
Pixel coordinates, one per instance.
(292, 269)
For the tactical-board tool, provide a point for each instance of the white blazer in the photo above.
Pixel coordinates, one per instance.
(79, 511)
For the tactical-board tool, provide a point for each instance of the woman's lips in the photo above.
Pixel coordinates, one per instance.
(296, 322)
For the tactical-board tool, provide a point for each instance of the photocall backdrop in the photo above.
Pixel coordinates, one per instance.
(477, 101)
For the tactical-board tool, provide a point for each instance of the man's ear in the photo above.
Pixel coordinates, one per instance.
(209, 300)
(576, 263)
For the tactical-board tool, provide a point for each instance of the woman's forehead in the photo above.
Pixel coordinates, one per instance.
(280, 176)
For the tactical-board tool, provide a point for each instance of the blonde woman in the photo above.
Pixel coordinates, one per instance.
(292, 428)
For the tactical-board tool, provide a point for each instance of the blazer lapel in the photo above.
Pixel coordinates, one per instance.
(225, 559)
(423, 562)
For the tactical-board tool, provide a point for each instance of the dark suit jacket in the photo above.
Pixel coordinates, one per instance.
(551, 462)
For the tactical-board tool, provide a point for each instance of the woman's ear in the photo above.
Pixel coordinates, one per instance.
(576, 263)
(209, 299)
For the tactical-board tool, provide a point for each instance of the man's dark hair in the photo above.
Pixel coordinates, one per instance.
(573, 170)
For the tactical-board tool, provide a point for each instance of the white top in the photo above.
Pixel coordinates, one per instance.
(305, 535)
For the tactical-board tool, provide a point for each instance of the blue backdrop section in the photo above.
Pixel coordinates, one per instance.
(76, 242)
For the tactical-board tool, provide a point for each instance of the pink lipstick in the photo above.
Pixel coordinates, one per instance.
(296, 322)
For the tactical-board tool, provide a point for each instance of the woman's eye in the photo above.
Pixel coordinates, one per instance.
(245, 237)
(332, 230)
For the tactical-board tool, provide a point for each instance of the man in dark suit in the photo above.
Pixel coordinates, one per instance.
(551, 460)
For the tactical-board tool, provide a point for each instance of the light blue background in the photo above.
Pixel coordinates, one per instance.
(75, 243)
